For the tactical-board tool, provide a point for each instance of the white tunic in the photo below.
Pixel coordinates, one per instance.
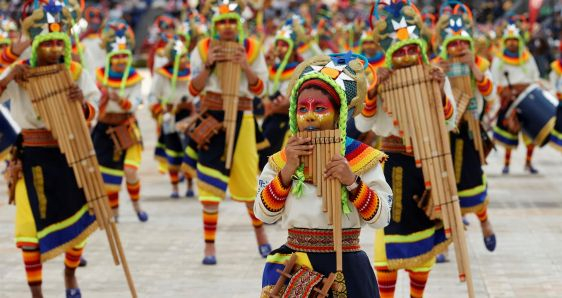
(161, 90)
(94, 54)
(306, 211)
(526, 73)
(132, 93)
(382, 124)
(22, 109)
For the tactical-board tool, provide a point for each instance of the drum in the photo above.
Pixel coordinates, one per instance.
(9, 131)
(536, 111)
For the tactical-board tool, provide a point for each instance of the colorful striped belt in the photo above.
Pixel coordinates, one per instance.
(115, 118)
(38, 138)
(321, 241)
(213, 101)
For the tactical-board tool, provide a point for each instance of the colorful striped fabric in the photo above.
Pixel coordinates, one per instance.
(473, 199)
(370, 108)
(514, 58)
(274, 195)
(448, 109)
(377, 60)
(485, 87)
(366, 201)
(115, 78)
(258, 88)
(505, 138)
(168, 72)
(33, 266)
(287, 72)
(252, 47)
(556, 66)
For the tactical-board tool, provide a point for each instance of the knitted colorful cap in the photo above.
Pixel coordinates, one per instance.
(49, 21)
(344, 73)
(94, 15)
(396, 25)
(455, 23)
(228, 10)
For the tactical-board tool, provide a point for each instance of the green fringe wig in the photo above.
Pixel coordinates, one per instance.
(48, 37)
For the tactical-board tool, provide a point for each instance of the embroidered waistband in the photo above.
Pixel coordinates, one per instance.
(38, 138)
(321, 241)
(213, 101)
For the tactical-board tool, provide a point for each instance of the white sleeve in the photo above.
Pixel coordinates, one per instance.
(374, 179)
(155, 90)
(195, 63)
(451, 122)
(135, 97)
(89, 89)
(260, 69)
(492, 95)
(261, 212)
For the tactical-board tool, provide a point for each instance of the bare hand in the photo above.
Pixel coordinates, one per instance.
(444, 65)
(467, 58)
(216, 54)
(339, 169)
(383, 74)
(19, 73)
(19, 45)
(113, 96)
(75, 94)
(438, 75)
(241, 58)
(296, 147)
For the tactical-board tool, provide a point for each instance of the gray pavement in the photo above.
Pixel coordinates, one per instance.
(165, 253)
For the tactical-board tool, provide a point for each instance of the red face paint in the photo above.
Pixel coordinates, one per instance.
(315, 111)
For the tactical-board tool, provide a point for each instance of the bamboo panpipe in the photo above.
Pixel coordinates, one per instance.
(48, 88)
(327, 143)
(228, 73)
(462, 82)
(414, 102)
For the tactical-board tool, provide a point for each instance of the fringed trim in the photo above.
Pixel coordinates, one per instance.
(418, 260)
(72, 243)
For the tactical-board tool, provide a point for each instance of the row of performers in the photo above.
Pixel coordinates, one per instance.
(308, 97)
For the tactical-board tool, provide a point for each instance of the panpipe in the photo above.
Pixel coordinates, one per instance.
(228, 73)
(461, 81)
(48, 87)
(414, 102)
(327, 143)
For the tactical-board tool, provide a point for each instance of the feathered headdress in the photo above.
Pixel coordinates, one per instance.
(225, 10)
(397, 24)
(49, 21)
(455, 23)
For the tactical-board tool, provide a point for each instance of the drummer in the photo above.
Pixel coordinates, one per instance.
(411, 240)
(513, 70)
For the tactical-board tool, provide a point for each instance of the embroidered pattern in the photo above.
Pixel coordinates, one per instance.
(397, 178)
(366, 201)
(274, 195)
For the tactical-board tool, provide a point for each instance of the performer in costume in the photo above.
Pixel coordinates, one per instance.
(169, 103)
(411, 240)
(208, 165)
(52, 214)
(555, 77)
(323, 90)
(91, 38)
(517, 62)
(276, 123)
(116, 136)
(455, 40)
(8, 33)
(163, 28)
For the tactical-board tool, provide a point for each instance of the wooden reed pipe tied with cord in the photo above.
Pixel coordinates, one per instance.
(48, 88)
(228, 73)
(327, 144)
(414, 101)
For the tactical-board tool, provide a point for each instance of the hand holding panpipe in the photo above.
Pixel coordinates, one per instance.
(50, 89)
(327, 143)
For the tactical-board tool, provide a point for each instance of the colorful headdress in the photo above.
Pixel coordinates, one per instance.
(118, 38)
(455, 23)
(50, 21)
(513, 31)
(341, 75)
(225, 10)
(175, 49)
(398, 24)
(94, 15)
(293, 34)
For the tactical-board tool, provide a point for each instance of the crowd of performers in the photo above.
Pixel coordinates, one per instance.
(312, 75)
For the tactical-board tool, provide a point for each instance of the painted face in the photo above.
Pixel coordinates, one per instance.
(456, 47)
(512, 44)
(119, 62)
(407, 55)
(50, 51)
(281, 48)
(315, 111)
(227, 29)
(369, 48)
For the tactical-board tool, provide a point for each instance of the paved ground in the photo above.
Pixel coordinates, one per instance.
(165, 253)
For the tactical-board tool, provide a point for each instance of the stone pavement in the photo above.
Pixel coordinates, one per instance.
(165, 253)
